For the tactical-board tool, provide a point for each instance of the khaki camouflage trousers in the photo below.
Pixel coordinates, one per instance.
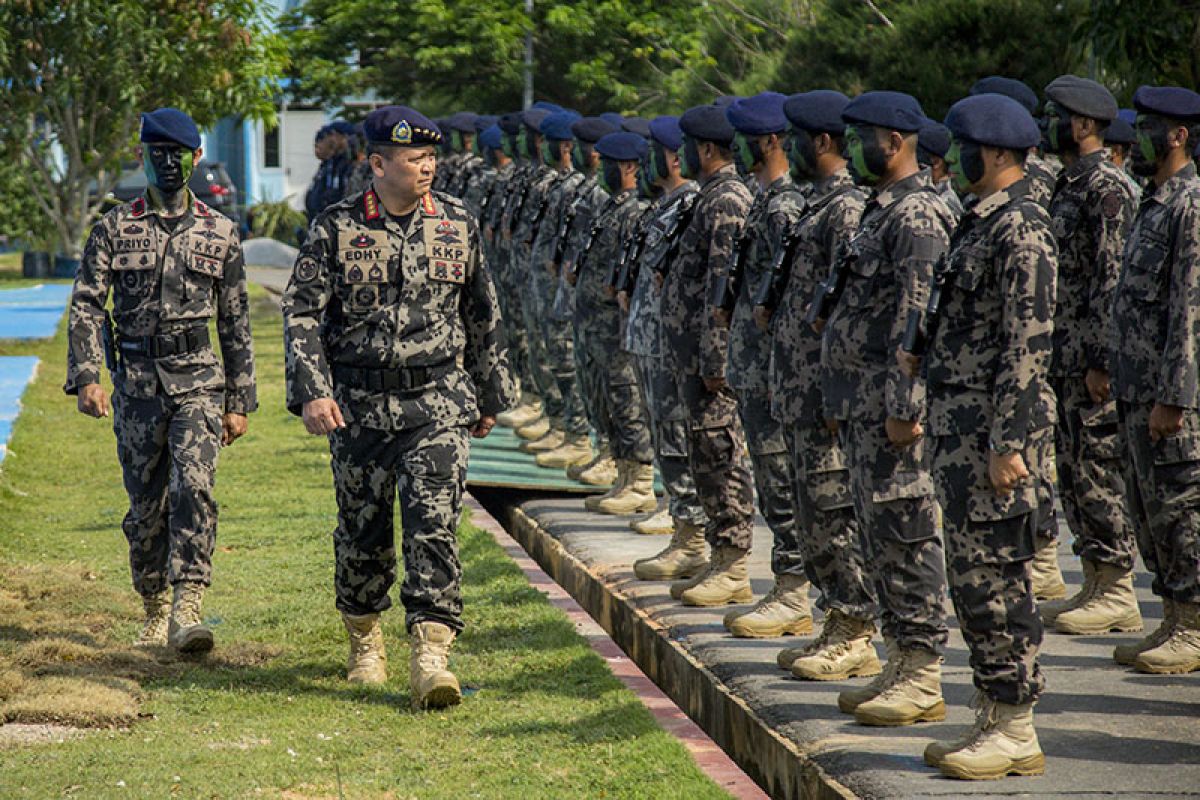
(716, 456)
(893, 500)
(1163, 480)
(565, 406)
(774, 480)
(827, 529)
(168, 448)
(533, 310)
(668, 427)
(508, 292)
(990, 542)
(427, 466)
(1091, 483)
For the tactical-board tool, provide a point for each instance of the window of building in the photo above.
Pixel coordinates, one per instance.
(271, 146)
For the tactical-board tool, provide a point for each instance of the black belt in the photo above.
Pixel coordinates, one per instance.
(166, 344)
(394, 379)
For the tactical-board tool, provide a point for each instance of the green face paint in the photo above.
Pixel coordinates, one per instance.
(863, 166)
(745, 155)
(549, 158)
(168, 167)
(456, 141)
(954, 164)
(522, 143)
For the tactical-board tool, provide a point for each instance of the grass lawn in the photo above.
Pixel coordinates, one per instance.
(268, 714)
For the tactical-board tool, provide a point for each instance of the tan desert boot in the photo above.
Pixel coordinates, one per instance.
(914, 696)
(1112, 605)
(1047, 577)
(635, 495)
(187, 632)
(367, 662)
(682, 558)
(602, 472)
(936, 751)
(782, 611)
(157, 620)
(1127, 653)
(531, 431)
(433, 685)
(573, 451)
(660, 523)
(1052, 608)
(1180, 652)
(603, 453)
(831, 627)
(727, 580)
(1003, 742)
(524, 413)
(548, 441)
(592, 503)
(846, 653)
(851, 699)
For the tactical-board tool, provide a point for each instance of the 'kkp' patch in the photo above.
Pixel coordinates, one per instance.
(447, 250)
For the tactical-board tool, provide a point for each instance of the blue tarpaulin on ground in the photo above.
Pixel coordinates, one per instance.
(33, 312)
(15, 374)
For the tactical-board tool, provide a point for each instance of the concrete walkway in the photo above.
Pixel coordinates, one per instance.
(1106, 730)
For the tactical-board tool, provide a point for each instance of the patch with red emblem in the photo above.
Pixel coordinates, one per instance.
(447, 250)
(364, 255)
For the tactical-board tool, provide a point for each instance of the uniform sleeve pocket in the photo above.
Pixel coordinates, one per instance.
(1101, 430)
(987, 506)
(903, 486)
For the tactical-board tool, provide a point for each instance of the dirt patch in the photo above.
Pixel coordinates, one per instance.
(19, 734)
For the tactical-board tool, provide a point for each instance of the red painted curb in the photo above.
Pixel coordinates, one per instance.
(711, 759)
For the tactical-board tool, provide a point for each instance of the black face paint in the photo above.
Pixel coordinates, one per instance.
(531, 147)
(691, 159)
(658, 162)
(489, 156)
(581, 155)
(802, 155)
(1059, 138)
(167, 167)
(1151, 145)
(970, 159)
(867, 159)
(610, 176)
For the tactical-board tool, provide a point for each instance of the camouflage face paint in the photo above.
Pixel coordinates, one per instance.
(867, 159)
(167, 167)
(802, 154)
(1151, 144)
(744, 152)
(953, 160)
(689, 159)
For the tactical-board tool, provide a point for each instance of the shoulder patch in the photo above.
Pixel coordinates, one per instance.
(201, 210)
(306, 269)
(138, 207)
(1111, 204)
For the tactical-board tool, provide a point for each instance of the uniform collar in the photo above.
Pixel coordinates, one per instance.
(989, 205)
(1083, 165)
(831, 183)
(727, 171)
(918, 180)
(146, 205)
(1174, 184)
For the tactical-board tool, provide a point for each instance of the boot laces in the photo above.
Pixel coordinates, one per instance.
(985, 720)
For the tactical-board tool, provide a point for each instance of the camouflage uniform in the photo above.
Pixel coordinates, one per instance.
(986, 371)
(167, 281)
(1155, 332)
(1091, 209)
(566, 408)
(904, 230)
(527, 220)
(697, 348)
(945, 189)
(1042, 176)
(400, 325)
(644, 339)
(509, 188)
(468, 165)
(478, 190)
(598, 318)
(776, 208)
(828, 530)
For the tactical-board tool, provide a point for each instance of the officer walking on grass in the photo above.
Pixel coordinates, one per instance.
(395, 352)
(171, 264)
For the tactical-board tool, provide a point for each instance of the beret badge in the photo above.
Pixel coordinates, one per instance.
(402, 133)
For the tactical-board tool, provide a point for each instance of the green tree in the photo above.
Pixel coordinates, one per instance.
(77, 74)
(1135, 42)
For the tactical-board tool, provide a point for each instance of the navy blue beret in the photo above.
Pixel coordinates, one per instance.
(1119, 132)
(613, 118)
(893, 111)
(1173, 102)
(547, 106)
(492, 137)
(707, 123)
(592, 129)
(993, 120)
(1009, 87)
(532, 117)
(343, 127)
(758, 115)
(322, 132)
(934, 139)
(463, 122)
(558, 125)
(636, 125)
(485, 121)
(1084, 97)
(819, 111)
(666, 131)
(622, 146)
(1128, 115)
(169, 126)
(401, 125)
(510, 123)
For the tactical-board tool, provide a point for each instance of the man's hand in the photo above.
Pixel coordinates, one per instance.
(92, 401)
(901, 432)
(1164, 421)
(720, 316)
(623, 301)
(1006, 471)
(715, 385)
(658, 280)
(233, 428)
(909, 364)
(762, 318)
(1098, 387)
(322, 416)
(832, 426)
(483, 427)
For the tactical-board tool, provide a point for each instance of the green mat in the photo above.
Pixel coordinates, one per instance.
(496, 461)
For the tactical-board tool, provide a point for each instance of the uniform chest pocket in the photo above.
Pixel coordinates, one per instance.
(863, 274)
(133, 264)
(1144, 271)
(1066, 221)
(971, 267)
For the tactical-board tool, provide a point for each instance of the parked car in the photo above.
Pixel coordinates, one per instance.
(210, 182)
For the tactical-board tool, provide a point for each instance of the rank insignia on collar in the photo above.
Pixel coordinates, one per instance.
(402, 133)
(202, 210)
(362, 240)
(428, 207)
(371, 204)
(139, 207)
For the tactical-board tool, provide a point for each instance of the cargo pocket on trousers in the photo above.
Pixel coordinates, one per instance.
(1001, 529)
(1101, 430)
(1177, 468)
